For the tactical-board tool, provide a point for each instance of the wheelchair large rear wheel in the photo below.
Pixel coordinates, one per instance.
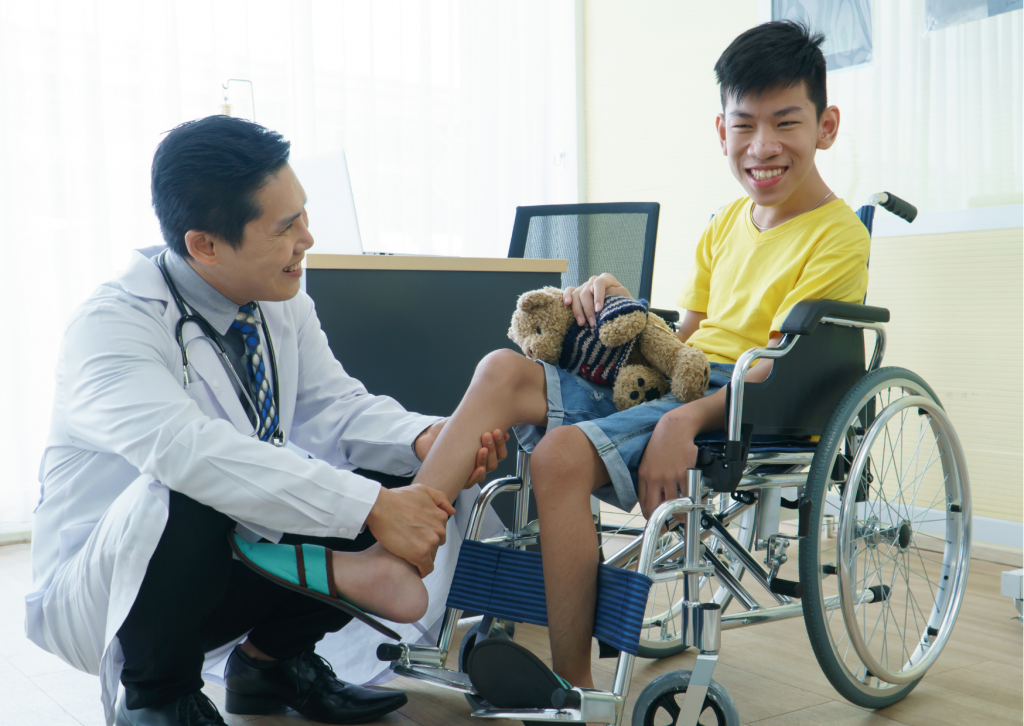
(882, 592)
(661, 630)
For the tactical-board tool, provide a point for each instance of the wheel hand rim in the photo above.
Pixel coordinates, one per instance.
(951, 593)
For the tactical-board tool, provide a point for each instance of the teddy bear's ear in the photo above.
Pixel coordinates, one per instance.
(537, 299)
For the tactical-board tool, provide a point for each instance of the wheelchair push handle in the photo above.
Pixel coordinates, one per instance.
(897, 206)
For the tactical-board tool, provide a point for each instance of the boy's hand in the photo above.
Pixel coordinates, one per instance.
(588, 298)
(670, 452)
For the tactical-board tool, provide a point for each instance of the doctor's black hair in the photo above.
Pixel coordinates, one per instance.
(780, 54)
(206, 174)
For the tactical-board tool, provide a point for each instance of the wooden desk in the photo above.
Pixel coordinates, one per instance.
(414, 328)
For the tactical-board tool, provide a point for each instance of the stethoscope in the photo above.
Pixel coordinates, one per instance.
(210, 335)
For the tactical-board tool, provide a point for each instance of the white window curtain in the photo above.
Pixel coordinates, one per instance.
(451, 114)
(936, 116)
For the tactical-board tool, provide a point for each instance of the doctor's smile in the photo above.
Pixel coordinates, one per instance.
(205, 427)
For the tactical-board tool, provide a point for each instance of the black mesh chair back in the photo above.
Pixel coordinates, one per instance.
(618, 238)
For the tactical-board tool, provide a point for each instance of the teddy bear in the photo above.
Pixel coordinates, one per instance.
(630, 349)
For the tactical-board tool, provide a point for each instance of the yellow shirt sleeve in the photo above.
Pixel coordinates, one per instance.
(697, 291)
(836, 270)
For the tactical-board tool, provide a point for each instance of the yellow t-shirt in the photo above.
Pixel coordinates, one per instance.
(747, 281)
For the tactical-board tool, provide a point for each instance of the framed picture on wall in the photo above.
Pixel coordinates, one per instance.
(939, 14)
(845, 23)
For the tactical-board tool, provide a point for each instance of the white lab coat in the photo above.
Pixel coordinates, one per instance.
(124, 431)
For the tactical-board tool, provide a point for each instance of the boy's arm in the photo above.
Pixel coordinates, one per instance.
(671, 451)
(690, 324)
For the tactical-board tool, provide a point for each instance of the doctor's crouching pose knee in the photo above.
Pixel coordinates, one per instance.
(198, 404)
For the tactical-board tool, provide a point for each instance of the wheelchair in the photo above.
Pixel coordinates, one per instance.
(882, 528)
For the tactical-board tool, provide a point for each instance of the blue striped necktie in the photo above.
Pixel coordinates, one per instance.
(259, 382)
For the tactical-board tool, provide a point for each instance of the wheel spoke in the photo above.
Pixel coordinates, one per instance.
(668, 702)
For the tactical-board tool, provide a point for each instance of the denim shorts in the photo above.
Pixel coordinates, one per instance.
(620, 437)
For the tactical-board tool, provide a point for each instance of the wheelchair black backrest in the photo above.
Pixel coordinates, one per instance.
(807, 384)
(618, 238)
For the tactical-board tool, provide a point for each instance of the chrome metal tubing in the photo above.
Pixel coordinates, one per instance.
(691, 536)
(766, 481)
(476, 518)
(794, 458)
(739, 377)
(763, 615)
(710, 628)
(664, 512)
(489, 492)
(752, 565)
(730, 583)
(522, 515)
(879, 353)
(626, 553)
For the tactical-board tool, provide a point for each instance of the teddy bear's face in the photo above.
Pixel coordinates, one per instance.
(540, 323)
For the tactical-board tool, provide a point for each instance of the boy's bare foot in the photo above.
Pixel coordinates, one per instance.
(380, 583)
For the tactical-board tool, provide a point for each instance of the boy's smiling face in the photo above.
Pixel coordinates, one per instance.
(771, 139)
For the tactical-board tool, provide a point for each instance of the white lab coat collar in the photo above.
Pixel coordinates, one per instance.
(143, 279)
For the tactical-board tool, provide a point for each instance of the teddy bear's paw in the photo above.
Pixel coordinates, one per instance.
(690, 374)
(623, 328)
(637, 384)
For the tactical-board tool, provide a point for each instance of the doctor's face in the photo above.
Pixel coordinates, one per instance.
(267, 266)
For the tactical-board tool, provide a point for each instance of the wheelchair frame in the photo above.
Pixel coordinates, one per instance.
(702, 623)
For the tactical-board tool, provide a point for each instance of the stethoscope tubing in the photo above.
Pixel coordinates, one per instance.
(187, 316)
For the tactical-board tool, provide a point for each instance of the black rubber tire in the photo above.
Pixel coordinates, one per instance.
(815, 616)
(717, 699)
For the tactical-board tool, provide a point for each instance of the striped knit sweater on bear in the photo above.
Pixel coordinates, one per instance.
(584, 354)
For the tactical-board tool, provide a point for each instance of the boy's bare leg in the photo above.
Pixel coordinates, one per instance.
(508, 389)
(564, 469)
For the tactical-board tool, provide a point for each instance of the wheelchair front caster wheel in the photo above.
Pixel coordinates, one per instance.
(661, 701)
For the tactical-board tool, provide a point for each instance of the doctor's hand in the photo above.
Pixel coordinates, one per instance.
(410, 522)
(588, 299)
(492, 451)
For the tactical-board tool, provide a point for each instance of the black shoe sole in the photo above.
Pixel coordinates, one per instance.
(241, 704)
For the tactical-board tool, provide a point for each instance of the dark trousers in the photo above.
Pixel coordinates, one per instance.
(195, 597)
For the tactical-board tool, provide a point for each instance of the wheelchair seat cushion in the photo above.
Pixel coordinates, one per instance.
(769, 443)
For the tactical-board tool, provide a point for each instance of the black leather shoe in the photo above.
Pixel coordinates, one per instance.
(195, 709)
(307, 684)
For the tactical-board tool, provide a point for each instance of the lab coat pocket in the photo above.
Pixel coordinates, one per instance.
(72, 539)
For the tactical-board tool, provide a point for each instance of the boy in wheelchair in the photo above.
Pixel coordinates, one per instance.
(789, 239)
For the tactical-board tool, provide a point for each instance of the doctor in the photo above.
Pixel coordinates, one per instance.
(165, 436)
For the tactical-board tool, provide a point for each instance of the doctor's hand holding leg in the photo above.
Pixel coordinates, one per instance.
(409, 525)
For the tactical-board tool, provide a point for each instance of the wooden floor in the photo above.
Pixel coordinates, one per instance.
(769, 670)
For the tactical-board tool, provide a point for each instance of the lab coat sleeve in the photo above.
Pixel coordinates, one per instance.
(337, 420)
(122, 397)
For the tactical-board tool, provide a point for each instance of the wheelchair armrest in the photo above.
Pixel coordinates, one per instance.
(805, 316)
(669, 316)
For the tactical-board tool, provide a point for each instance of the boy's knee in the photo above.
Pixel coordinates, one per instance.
(505, 369)
(564, 462)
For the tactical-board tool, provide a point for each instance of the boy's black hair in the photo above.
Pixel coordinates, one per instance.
(779, 54)
(206, 174)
